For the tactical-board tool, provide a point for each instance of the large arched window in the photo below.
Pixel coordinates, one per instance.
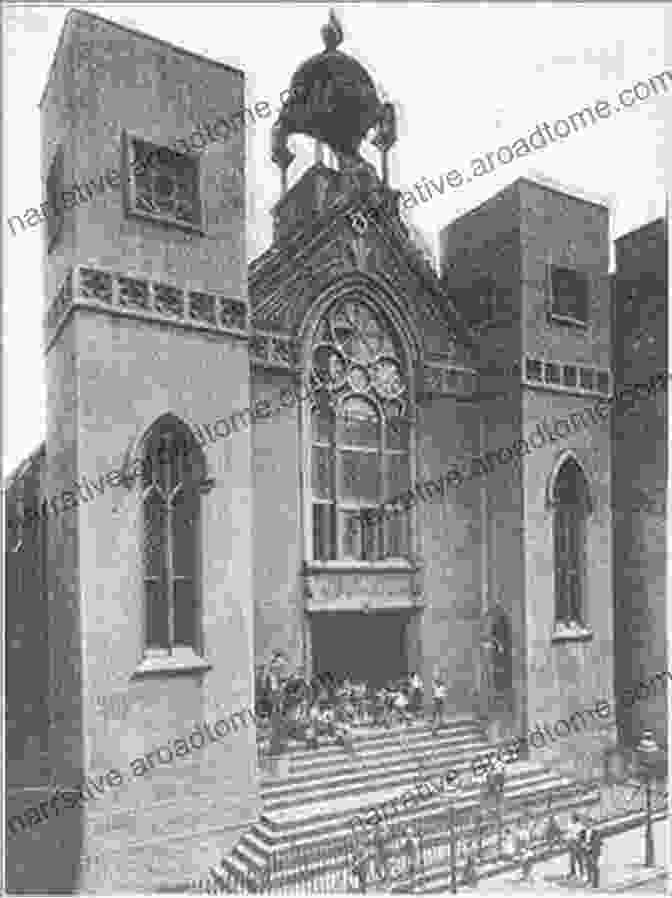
(173, 474)
(571, 502)
(360, 435)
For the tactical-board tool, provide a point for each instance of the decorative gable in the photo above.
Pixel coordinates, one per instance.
(363, 238)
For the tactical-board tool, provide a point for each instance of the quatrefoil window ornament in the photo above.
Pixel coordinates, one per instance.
(355, 352)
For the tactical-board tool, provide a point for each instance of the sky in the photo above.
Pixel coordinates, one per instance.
(465, 79)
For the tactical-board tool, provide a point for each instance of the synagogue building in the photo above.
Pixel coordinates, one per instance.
(173, 586)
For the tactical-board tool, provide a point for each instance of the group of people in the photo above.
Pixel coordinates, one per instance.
(375, 856)
(326, 708)
(585, 846)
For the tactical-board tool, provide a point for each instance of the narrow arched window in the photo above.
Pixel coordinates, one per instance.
(571, 501)
(360, 435)
(173, 474)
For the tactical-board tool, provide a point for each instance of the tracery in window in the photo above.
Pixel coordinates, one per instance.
(164, 184)
(360, 435)
(571, 502)
(173, 474)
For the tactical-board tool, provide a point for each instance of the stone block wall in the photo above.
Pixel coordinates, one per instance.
(639, 441)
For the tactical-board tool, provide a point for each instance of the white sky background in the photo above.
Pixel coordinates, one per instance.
(465, 80)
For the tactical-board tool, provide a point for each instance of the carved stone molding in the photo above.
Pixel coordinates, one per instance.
(365, 591)
(140, 297)
(567, 377)
(447, 380)
(273, 350)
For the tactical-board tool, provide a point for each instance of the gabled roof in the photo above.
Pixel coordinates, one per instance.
(287, 259)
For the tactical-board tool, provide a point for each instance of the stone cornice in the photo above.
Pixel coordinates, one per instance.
(141, 298)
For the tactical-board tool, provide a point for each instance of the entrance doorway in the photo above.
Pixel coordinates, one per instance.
(369, 647)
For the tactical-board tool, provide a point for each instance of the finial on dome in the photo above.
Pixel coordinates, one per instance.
(332, 33)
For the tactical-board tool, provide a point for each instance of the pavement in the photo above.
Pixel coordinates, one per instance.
(621, 870)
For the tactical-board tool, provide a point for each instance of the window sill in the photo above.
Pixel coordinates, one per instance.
(572, 633)
(182, 660)
(567, 319)
(387, 564)
(180, 223)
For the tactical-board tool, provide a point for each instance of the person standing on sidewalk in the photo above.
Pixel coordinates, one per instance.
(416, 694)
(439, 696)
(411, 848)
(553, 832)
(360, 862)
(470, 872)
(525, 850)
(593, 843)
(574, 832)
(381, 839)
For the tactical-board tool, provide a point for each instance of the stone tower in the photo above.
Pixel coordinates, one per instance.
(639, 479)
(148, 574)
(530, 269)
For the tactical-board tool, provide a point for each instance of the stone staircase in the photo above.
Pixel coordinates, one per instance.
(305, 822)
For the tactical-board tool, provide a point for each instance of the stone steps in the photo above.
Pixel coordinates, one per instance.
(303, 766)
(305, 824)
(395, 767)
(330, 825)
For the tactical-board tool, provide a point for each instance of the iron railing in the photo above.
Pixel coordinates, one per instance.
(454, 844)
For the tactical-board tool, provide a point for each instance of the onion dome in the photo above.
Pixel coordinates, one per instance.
(332, 97)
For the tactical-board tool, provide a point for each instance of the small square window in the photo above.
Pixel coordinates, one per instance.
(163, 184)
(587, 379)
(570, 375)
(481, 301)
(533, 369)
(54, 190)
(569, 294)
(552, 373)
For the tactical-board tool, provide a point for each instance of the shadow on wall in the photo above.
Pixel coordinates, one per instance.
(45, 860)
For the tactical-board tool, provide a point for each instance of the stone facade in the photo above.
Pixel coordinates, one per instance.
(152, 313)
(512, 239)
(152, 321)
(639, 437)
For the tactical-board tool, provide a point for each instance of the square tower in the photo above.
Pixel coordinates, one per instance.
(529, 268)
(639, 479)
(149, 555)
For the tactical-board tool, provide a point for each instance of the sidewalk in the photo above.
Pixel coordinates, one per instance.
(621, 869)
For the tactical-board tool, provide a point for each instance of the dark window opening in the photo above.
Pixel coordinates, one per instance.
(570, 374)
(173, 472)
(552, 373)
(587, 376)
(479, 304)
(572, 505)
(569, 293)
(54, 190)
(533, 369)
